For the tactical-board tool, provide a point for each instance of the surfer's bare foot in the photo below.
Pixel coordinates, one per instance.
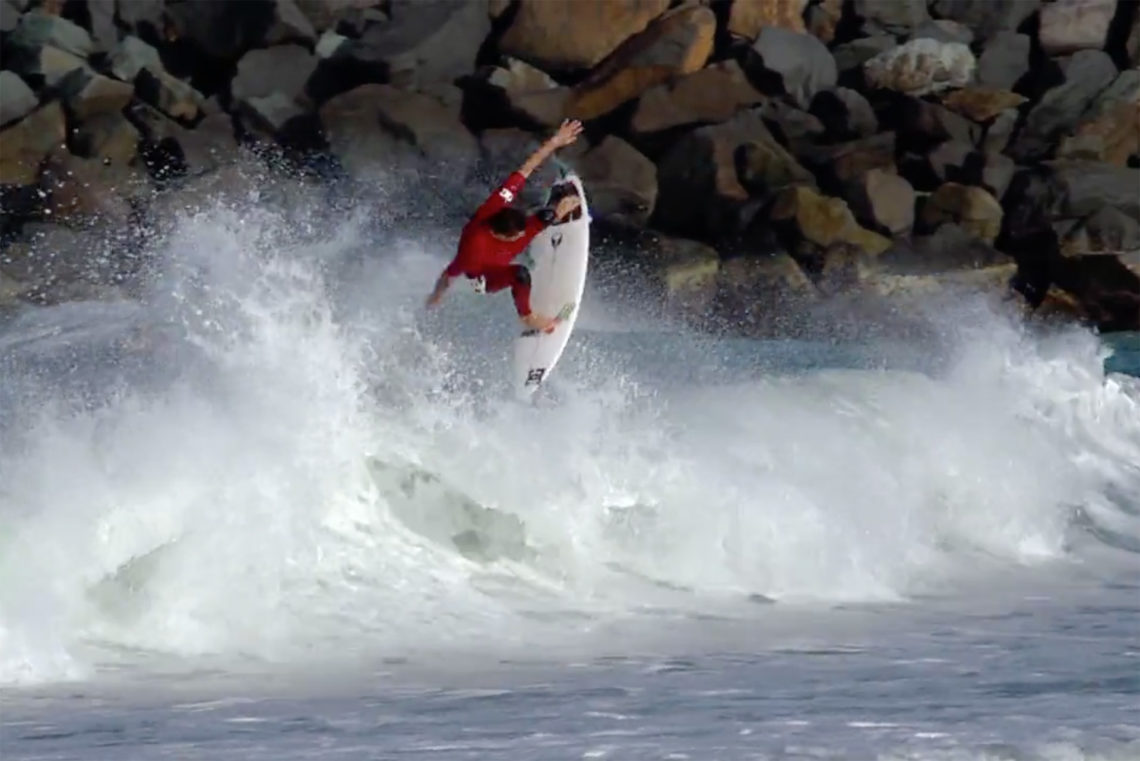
(540, 322)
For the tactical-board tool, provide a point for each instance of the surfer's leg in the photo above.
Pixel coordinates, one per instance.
(517, 278)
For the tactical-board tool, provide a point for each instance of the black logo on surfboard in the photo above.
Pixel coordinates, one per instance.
(534, 377)
(556, 240)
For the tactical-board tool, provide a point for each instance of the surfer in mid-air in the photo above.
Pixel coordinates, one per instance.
(498, 232)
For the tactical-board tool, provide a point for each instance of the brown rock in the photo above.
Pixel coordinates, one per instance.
(975, 210)
(545, 108)
(109, 137)
(824, 18)
(1071, 25)
(429, 123)
(1084, 187)
(675, 44)
(824, 221)
(622, 183)
(838, 165)
(747, 17)
(883, 201)
(49, 65)
(687, 272)
(87, 191)
(759, 291)
(575, 34)
(713, 94)
(27, 142)
(981, 104)
(87, 94)
(1112, 137)
(170, 95)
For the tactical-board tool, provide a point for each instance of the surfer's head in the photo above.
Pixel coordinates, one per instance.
(507, 224)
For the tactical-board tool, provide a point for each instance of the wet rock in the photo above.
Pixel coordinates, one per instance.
(1086, 74)
(49, 259)
(687, 275)
(558, 35)
(193, 151)
(1004, 60)
(16, 99)
(700, 190)
(882, 201)
(622, 182)
(47, 66)
(758, 291)
(970, 207)
(284, 70)
(713, 94)
(425, 41)
(220, 31)
(142, 17)
(37, 30)
(1071, 25)
(431, 124)
(943, 30)
(109, 137)
(351, 125)
(852, 55)
(948, 248)
(782, 61)
(271, 115)
(1106, 287)
(27, 142)
(747, 17)
(86, 94)
(986, 17)
(892, 16)
(131, 56)
(1105, 231)
(845, 114)
(674, 44)
(86, 192)
(1085, 187)
(981, 104)
(290, 25)
(921, 66)
(821, 222)
(169, 94)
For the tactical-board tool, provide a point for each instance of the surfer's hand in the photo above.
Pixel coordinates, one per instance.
(566, 206)
(566, 134)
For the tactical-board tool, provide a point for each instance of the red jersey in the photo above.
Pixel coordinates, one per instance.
(479, 250)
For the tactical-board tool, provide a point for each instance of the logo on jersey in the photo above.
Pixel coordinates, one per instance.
(506, 195)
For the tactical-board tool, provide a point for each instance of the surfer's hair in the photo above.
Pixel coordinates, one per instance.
(507, 222)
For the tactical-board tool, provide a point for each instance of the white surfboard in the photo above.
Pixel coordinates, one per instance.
(560, 255)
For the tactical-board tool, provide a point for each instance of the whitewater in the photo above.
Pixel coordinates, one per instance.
(271, 508)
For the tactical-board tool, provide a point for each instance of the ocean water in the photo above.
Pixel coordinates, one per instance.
(276, 510)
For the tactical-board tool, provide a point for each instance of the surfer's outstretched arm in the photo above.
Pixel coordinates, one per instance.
(565, 135)
(441, 286)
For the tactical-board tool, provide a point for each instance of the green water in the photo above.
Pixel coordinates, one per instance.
(1126, 353)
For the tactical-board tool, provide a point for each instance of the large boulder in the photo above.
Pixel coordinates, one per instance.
(351, 126)
(27, 142)
(87, 192)
(783, 61)
(1105, 231)
(759, 292)
(891, 16)
(686, 275)
(429, 122)
(1084, 187)
(1086, 74)
(1108, 129)
(747, 17)
(86, 95)
(948, 248)
(16, 99)
(131, 56)
(921, 66)
(850, 56)
(284, 69)
(290, 25)
(838, 165)
(558, 35)
(970, 207)
(882, 201)
(701, 192)
(982, 104)
(1004, 60)
(1071, 25)
(943, 30)
(845, 114)
(46, 66)
(812, 223)
(954, 161)
(38, 29)
(674, 44)
(713, 94)
(622, 183)
(986, 17)
(1107, 288)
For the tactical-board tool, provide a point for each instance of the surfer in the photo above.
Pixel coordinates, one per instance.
(498, 232)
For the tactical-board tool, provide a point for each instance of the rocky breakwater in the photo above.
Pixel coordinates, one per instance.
(760, 162)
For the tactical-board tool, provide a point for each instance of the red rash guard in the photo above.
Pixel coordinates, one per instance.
(481, 254)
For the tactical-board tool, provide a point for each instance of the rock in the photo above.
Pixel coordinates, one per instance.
(16, 99)
(1071, 25)
(713, 94)
(47, 66)
(981, 104)
(1106, 287)
(1112, 137)
(971, 208)
(922, 125)
(882, 201)
(986, 17)
(270, 114)
(86, 94)
(797, 130)
(1086, 73)
(892, 16)
(782, 61)
(999, 131)
(822, 221)
(687, 275)
(108, 137)
(351, 125)
(838, 166)
(27, 142)
(142, 17)
(283, 70)
(852, 55)
(328, 45)
(949, 248)
(747, 17)
(844, 114)
(290, 25)
(921, 67)
(943, 30)
(1085, 187)
(961, 163)
(86, 192)
(37, 30)
(428, 123)
(131, 56)
(1004, 60)
(9, 16)
(206, 147)
(561, 35)
(823, 20)
(760, 290)
(323, 14)
(673, 45)
(425, 41)
(220, 31)
(104, 33)
(622, 182)
(169, 94)
(763, 167)
(1105, 231)
(519, 76)
(699, 188)
(544, 108)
